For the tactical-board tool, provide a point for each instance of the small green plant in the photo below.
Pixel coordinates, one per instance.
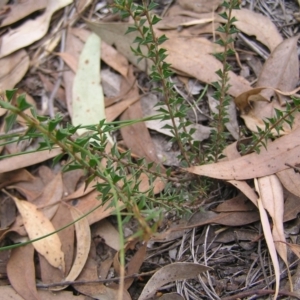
(219, 135)
(273, 127)
(161, 72)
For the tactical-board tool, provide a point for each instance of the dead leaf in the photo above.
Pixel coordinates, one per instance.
(282, 151)
(133, 265)
(237, 218)
(108, 233)
(290, 180)
(291, 207)
(50, 197)
(13, 69)
(200, 6)
(114, 34)
(238, 203)
(27, 159)
(281, 71)
(7, 292)
(15, 176)
(267, 233)
(231, 153)
(89, 202)
(50, 274)
(83, 238)
(169, 273)
(295, 248)
(148, 103)
(114, 59)
(90, 272)
(263, 28)
(193, 56)
(7, 213)
(137, 136)
(20, 10)
(129, 97)
(69, 59)
(31, 30)
(73, 47)
(21, 272)
(271, 194)
(37, 225)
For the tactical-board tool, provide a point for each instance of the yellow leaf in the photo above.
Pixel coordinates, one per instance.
(37, 225)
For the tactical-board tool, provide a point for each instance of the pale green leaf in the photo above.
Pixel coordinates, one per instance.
(88, 99)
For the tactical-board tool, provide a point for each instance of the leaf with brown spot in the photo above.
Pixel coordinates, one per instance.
(62, 217)
(37, 226)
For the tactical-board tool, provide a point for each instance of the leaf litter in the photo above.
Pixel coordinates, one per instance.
(189, 51)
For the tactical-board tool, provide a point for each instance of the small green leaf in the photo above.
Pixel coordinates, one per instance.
(155, 19)
(152, 5)
(22, 103)
(10, 93)
(162, 39)
(10, 120)
(131, 29)
(7, 105)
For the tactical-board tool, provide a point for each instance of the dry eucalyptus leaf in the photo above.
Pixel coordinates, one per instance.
(295, 248)
(7, 292)
(30, 31)
(256, 24)
(83, 238)
(231, 153)
(290, 180)
(193, 56)
(114, 33)
(200, 6)
(280, 71)
(169, 273)
(283, 151)
(13, 68)
(37, 225)
(28, 159)
(20, 10)
(21, 272)
(271, 194)
(259, 186)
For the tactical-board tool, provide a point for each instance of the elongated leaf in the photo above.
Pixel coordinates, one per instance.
(37, 225)
(83, 239)
(21, 273)
(169, 273)
(87, 98)
(259, 186)
(283, 151)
